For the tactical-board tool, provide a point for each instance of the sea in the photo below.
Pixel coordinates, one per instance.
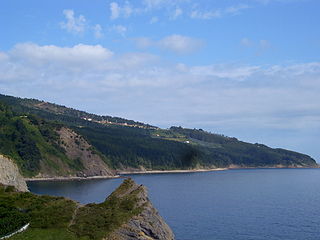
(243, 204)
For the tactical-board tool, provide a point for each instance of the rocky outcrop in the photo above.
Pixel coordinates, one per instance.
(148, 225)
(10, 175)
(80, 151)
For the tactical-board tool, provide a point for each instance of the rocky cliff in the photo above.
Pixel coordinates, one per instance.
(10, 175)
(79, 150)
(127, 214)
(148, 224)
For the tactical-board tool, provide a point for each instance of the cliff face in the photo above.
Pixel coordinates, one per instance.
(147, 225)
(127, 214)
(10, 175)
(78, 149)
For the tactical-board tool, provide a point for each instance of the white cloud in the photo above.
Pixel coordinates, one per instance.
(118, 11)
(205, 14)
(81, 54)
(174, 9)
(180, 44)
(97, 31)
(151, 4)
(145, 7)
(175, 43)
(225, 71)
(115, 10)
(294, 69)
(120, 29)
(258, 46)
(143, 42)
(218, 13)
(205, 10)
(134, 60)
(3, 56)
(236, 9)
(159, 4)
(79, 25)
(265, 2)
(73, 24)
(143, 86)
(177, 13)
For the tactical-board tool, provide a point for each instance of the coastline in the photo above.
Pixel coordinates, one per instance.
(235, 167)
(122, 174)
(69, 178)
(170, 171)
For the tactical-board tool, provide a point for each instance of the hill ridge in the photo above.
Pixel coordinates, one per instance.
(32, 136)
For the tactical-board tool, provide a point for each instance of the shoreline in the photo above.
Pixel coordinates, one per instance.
(69, 178)
(122, 174)
(170, 171)
(119, 175)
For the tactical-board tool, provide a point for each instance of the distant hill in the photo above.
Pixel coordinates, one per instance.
(47, 149)
(46, 139)
(51, 111)
(241, 153)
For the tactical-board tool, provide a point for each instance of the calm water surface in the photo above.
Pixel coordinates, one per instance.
(266, 204)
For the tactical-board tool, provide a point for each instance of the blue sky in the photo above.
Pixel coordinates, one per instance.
(244, 68)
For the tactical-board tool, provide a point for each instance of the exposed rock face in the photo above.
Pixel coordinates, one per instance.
(10, 175)
(78, 149)
(148, 225)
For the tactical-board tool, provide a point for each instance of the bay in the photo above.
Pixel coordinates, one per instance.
(266, 204)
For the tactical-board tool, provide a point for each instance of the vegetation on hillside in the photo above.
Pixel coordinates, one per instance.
(11, 217)
(31, 140)
(132, 147)
(62, 218)
(96, 221)
(43, 212)
(232, 151)
(69, 116)
(180, 148)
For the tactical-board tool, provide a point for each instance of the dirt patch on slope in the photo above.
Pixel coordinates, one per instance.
(83, 154)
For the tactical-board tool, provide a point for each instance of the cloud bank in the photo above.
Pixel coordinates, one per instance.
(218, 97)
(217, 90)
(188, 8)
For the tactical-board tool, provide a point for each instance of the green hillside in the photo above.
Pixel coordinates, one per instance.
(35, 145)
(28, 134)
(232, 151)
(69, 116)
(26, 140)
(63, 218)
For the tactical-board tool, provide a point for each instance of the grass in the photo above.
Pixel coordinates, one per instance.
(96, 221)
(33, 144)
(57, 218)
(169, 135)
(46, 234)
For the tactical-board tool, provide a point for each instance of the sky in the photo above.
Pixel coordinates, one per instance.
(243, 68)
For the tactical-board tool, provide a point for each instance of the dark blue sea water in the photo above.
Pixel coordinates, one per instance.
(257, 204)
